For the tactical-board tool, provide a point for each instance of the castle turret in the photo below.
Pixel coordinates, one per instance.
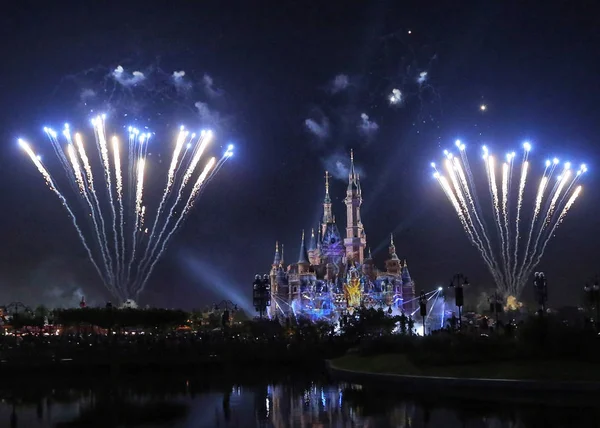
(327, 212)
(356, 240)
(314, 249)
(408, 288)
(303, 263)
(392, 265)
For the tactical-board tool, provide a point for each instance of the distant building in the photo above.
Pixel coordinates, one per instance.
(335, 275)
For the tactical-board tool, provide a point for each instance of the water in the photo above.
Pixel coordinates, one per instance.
(266, 399)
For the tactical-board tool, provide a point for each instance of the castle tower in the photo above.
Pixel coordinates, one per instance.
(303, 263)
(314, 248)
(408, 288)
(274, 268)
(392, 265)
(327, 213)
(356, 239)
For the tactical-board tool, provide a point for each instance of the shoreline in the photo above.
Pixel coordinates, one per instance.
(455, 385)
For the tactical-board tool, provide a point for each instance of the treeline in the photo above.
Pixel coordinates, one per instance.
(106, 318)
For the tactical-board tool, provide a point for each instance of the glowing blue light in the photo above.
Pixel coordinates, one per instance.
(446, 152)
(433, 164)
(567, 165)
(440, 288)
(189, 145)
(457, 142)
(527, 146)
(555, 161)
(548, 162)
(230, 147)
(436, 175)
(462, 147)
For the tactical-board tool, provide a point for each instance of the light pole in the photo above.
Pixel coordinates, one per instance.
(593, 294)
(496, 305)
(423, 308)
(226, 305)
(261, 294)
(540, 288)
(458, 281)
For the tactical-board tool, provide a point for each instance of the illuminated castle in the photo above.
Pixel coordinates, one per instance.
(332, 275)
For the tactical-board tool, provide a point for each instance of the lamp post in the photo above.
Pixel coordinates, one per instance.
(423, 308)
(540, 288)
(496, 305)
(592, 292)
(261, 294)
(458, 282)
(228, 306)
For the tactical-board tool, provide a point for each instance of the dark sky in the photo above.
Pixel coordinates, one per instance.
(272, 65)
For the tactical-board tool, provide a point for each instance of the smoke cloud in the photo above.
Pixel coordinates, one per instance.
(339, 83)
(126, 79)
(367, 127)
(318, 129)
(209, 87)
(207, 115)
(338, 165)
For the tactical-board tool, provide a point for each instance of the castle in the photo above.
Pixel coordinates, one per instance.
(334, 276)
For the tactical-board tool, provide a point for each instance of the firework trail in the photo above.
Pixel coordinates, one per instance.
(170, 179)
(187, 207)
(560, 219)
(139, 193)
(511, 257)
(48, 179)
(83, 191)
(96, 213)
(205, 138)
(119, 183)
(125, 276)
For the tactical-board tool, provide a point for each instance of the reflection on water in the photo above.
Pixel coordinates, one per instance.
(265, 400)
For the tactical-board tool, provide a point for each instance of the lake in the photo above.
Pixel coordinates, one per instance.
(263, 398)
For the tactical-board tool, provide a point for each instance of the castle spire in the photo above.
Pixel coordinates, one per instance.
(327, 213)
(277, 258)
(303, 257)
(355, 241)
(352, 174)
(393, 255)
(313, 243)
(281, 262)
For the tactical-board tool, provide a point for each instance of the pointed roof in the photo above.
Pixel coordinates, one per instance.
(405, 274)
(277, 258)
(313, 241)
(282, 261)
(393, 255)
(303, 257)
(369, 258)
(327, 199)
(319, 237)
(352, 176)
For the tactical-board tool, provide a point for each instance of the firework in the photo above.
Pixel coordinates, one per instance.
(517, 247)
(125, 258)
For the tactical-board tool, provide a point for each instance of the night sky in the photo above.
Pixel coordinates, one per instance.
(273, 65)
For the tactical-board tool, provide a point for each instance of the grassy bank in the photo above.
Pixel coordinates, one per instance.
(399, 364)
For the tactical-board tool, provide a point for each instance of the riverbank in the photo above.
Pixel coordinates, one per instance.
(515, 375)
